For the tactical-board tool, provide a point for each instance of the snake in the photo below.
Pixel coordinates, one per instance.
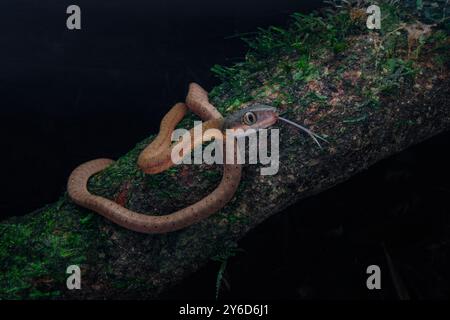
(156, 158)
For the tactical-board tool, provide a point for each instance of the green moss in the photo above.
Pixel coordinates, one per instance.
(233, 217)
(440, 45)
(362, 118)
(124, 169)
(307, 36)
(40, 249)
(229, 249)
(304, 71)
(212, 175)
(395, 73)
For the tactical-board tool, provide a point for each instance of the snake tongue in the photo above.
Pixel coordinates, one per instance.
(313, 135)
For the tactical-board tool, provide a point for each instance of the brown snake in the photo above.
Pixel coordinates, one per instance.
(156, 158)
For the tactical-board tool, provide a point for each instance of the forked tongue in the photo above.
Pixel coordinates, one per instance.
(309, 132)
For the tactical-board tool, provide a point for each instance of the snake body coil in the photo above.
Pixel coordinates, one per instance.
(156, 158)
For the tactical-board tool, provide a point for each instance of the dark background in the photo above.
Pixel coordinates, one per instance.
(70, 96)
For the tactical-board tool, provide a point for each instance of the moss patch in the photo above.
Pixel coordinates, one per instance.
(35, 253)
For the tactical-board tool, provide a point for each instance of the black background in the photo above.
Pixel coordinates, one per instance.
(70, 96)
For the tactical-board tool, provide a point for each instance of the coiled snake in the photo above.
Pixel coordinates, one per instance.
(156, 158)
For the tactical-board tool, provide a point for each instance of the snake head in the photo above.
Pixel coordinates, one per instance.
(256, 116)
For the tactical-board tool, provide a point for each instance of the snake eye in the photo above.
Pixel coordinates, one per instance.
(249, 118)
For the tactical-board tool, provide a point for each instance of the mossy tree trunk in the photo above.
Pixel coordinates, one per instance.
(361, 89)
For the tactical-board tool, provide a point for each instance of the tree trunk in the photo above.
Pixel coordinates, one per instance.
(368, 101)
